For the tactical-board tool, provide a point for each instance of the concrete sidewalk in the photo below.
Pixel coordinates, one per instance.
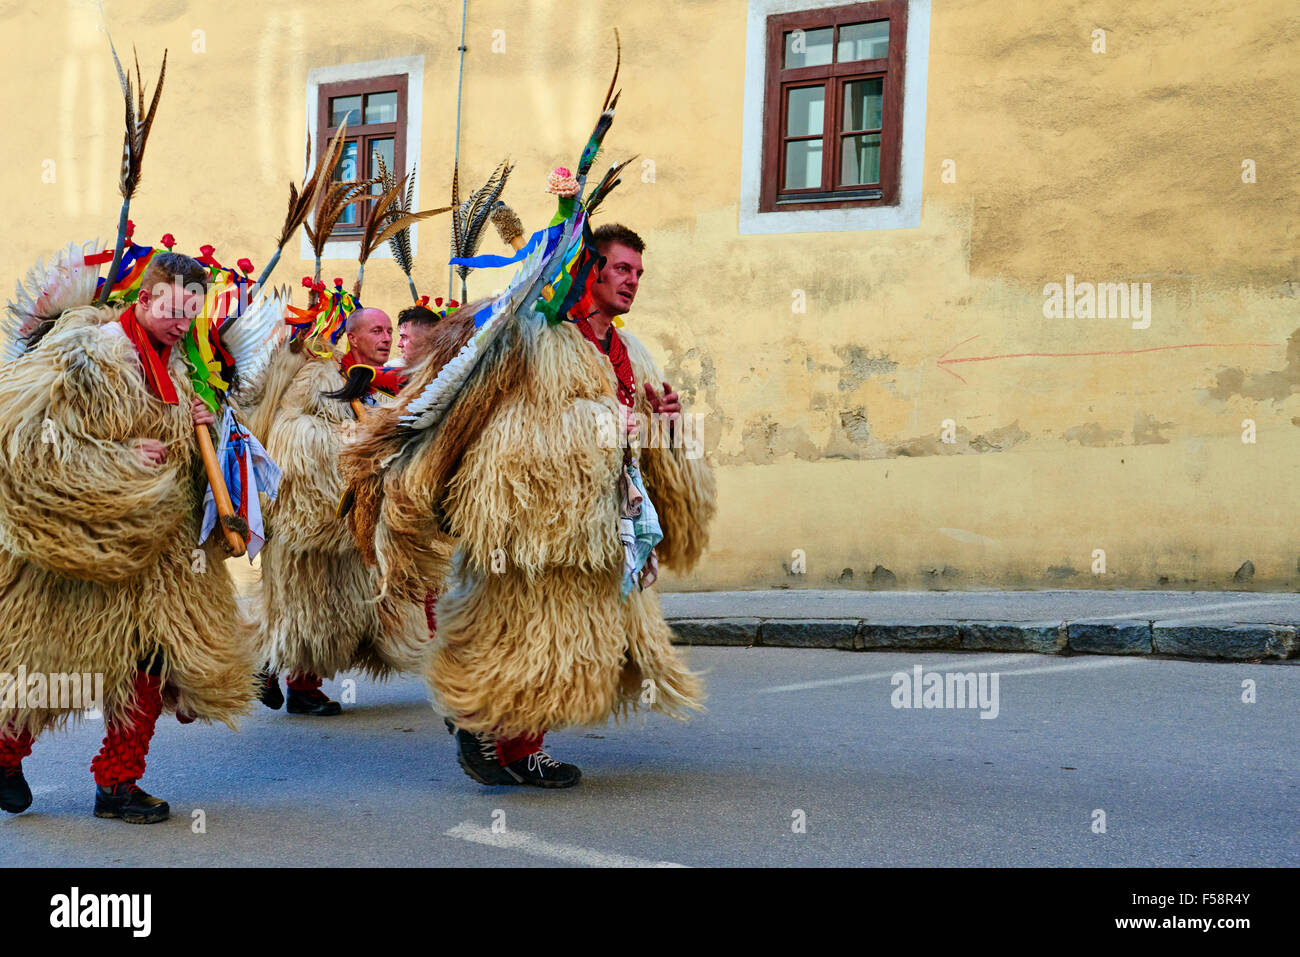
(1218, 625)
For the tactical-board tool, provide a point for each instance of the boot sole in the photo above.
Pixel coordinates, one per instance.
(10, 809)
(550, 785)
(134, 818)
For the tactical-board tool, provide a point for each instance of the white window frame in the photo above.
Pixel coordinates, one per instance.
(905, 215)
(413, 67)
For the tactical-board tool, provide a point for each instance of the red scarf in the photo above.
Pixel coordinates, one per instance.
(386, 379)
(618, 358)
(154, 362)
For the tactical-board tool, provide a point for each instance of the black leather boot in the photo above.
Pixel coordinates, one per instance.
(540, 770)
(127, 801)
(15, 795)
(312, 702)
(477, 755)
(271, 695)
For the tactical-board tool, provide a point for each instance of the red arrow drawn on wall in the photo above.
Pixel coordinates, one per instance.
(943, 363)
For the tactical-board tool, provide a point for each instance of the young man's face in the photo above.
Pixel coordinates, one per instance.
(414, 339)
(614, 291)
(371, 338)
(167, 310)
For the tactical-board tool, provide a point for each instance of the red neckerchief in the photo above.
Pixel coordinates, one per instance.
(386, 379)
(618, 358)
(155, 363)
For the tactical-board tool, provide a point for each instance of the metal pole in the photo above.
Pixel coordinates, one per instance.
(460, 80)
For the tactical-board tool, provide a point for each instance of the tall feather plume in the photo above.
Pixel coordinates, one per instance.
(139, 122)
(302, 202)
(472, 215)
(606, 116)
(400, 242)
(336, 198)
(383, 223)
(510, 318)
(455, 219)
(606, 185)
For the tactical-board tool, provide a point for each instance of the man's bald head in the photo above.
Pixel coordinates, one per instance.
(370, 336)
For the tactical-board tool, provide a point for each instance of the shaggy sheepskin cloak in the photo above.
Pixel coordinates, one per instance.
(318, 607)
(522, 476)
(100, 565)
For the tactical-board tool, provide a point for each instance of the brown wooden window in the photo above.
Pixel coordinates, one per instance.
(833, 112)
(376, 113)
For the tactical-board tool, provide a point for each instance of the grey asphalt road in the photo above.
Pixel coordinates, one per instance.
(1185, 772)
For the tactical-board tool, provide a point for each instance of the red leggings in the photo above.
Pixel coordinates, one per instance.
(122, 757)
(126, 744)
(510, 750)
(303, 682)
(13, 748)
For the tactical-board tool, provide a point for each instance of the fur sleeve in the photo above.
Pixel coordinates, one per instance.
(74, 496)
(680, 485)
(304, 439)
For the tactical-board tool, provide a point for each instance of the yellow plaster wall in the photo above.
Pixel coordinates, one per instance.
(1071, 435)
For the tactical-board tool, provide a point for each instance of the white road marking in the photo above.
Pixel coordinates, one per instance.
(853, 679)
(530, 844)
(1107, 662)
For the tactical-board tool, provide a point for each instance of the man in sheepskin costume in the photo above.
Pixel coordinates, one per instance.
(507, 444)
(319, 608)
(101, 573)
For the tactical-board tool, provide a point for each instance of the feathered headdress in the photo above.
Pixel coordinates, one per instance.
(222, 354)
(552, 271)
(472, 214)
(319, 326)
(389, 217)
(138, 124)
(70, 280)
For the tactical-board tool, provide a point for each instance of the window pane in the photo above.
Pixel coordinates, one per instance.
(807, 111)
(860, 160)
(345, 106)
(803, 164)
(381, 107)
(808, 47)
(863, 41)
(346, 171)
(384, 148)
(863, 104)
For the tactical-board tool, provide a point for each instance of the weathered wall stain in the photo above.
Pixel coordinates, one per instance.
(1271, 386)
(1092, 435)
(1147, 431)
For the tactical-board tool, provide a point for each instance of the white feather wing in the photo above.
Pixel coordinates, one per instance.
(253, 338)
(430, 406)
(46, 293)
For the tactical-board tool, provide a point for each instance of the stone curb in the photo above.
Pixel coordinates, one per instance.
(1183, 639)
